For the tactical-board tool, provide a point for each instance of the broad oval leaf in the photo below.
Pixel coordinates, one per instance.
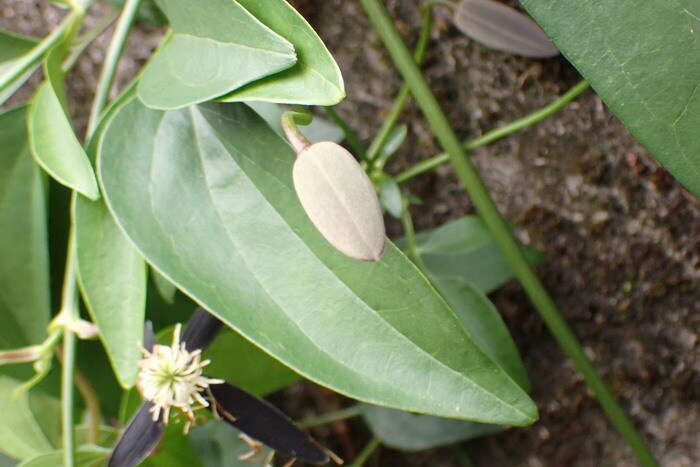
(206, 195)
(314, 80)
(52, 139)
(112, 278)
(502, 28)
(216, 47)
(340, 200)
(24, 269)
(415, 432)
(465, 248)
(483, 322)
(649, 80)
(111, 273)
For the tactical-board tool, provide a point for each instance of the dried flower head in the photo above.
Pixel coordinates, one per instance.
(171, 376)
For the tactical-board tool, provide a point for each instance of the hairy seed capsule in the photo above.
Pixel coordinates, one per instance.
(503, 28)
(340, 200)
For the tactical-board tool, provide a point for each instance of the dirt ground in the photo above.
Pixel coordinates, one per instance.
(622, 238)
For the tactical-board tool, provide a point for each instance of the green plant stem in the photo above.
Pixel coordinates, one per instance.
(82, 42)
(410, 233)
(498, 133)
(499, 229)
(69, 309)
(33, 57)
(366, 452)
(380, 139)
(109, 69)
(330, 417)
(353, 140)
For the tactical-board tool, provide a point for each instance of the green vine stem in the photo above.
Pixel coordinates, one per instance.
(350, 135)
(69, 301)
(69, 310)
(83, 41)
(410, 233)
(33, 57)
(469, 177)
(109, 69)
(380, 139)
(366, 452)
(498, 133)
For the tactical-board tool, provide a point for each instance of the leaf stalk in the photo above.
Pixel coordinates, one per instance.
(497, 133)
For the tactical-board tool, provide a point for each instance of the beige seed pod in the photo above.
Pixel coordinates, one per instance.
(500, 27)
(340, 200)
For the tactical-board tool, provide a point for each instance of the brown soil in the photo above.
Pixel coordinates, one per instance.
(622, 238)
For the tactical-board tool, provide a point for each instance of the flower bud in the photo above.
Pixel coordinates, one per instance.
(340, 200)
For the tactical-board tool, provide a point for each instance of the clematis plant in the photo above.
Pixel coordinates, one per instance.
(171, 380)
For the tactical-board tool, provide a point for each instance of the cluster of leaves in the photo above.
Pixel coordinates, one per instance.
(187, 175)
(200, 192)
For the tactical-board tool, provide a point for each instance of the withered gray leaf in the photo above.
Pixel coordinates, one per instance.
(503, 28)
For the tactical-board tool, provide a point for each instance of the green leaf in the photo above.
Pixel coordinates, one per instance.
(464, 248)
(640, 57)
(13, 45)
(483, 322)
(216, 47)
(52, 140)
(206, 196)
(239, 362)
(414, 432)
(390, 197)
(166, 289)
(217, 445)
(394, 141)
(314, 80)
(174, 450)
(24, 269)
(318, 130)
(85, 456)
(465, 263)
(21, 433)
(112, 278)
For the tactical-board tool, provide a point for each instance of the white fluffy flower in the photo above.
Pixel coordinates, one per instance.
(171, 376)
